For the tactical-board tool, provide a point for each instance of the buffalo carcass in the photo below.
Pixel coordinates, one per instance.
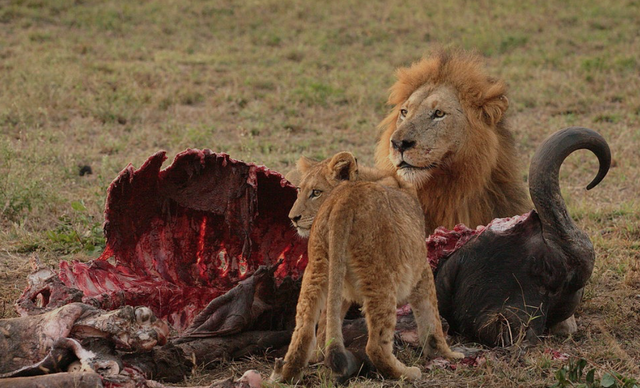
(521, 275)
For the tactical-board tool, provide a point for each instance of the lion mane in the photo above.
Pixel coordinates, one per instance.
(479, 179)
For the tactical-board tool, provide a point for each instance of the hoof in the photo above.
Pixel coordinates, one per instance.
(565, 328)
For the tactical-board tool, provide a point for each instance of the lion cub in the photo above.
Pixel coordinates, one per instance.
(366, 245)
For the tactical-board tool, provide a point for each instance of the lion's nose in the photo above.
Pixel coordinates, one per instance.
(402, 145)
(295, 218)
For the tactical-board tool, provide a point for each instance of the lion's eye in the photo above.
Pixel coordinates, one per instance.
(315, 193)
(438, 114)
(403, 113)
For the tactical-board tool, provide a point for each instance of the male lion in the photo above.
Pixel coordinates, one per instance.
(366, 245)
(447, 135)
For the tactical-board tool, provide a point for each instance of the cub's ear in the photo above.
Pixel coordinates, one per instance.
(495, 104)
(294, 177)
(304, 164)
(344, 166)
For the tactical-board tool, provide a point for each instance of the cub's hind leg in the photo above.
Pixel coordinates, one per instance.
(303, 340)
(380, 312)
(424, 303)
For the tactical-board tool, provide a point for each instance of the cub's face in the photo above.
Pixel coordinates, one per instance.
(312, 192)
(430, 129)
(317, 180)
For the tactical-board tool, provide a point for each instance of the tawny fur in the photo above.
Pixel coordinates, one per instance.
(367, 245)
(468, 171)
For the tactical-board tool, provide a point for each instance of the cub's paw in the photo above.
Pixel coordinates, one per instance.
(455, 355)
(411, 373)
(317, 356)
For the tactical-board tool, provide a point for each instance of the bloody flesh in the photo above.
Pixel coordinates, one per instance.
(181, 236)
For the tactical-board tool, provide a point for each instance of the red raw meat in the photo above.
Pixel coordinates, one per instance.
(443, 242)
(184, 235)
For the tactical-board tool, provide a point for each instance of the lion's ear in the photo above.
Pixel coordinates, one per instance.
(304, 164)
(344, 166)
(495, 104)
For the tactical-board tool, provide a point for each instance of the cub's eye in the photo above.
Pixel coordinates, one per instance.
(403, 113)
(438, 114)
(315, 193)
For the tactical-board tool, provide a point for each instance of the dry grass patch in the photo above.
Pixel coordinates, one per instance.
(106, 83)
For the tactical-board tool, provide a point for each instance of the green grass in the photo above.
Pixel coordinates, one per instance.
(107, 83)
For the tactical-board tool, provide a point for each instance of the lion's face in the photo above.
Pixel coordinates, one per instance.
(317, 180)
(430, 131)
(447, 135)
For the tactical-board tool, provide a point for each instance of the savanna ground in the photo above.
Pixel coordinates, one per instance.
(107, 83)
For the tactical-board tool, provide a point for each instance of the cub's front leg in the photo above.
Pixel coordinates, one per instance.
(303, 341)
(424, 303)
